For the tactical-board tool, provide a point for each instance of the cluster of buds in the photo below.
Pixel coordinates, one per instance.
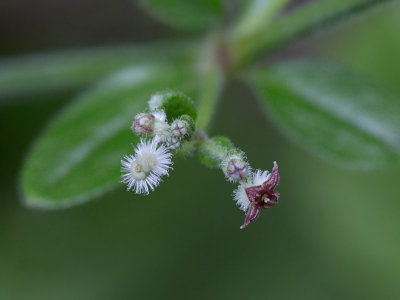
(160, 132)
(156, 122)
(167, 126)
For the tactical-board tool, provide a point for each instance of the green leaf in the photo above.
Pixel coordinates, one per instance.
(255, 18)
(24, 76)
(380, 34)
(187, 15)
(333, 111)
(78, 156)
(299, 23)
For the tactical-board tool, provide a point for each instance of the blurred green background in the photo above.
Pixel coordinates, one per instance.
(334, 235)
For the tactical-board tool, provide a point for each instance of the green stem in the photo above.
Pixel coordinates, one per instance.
(213, 81)
(214, 151)
(297, 24)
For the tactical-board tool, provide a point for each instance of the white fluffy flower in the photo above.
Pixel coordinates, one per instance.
(256, 178)
(143, 171)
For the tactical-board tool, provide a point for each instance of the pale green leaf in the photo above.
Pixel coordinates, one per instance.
(315, 15)
(333, 111)
(256, 16)
(22, 77)
(187, 15)
(299, 22)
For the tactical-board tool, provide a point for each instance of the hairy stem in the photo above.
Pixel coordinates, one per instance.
(213, 150)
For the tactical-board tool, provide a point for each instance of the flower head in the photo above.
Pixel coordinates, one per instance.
(258, 192)
(144, 170)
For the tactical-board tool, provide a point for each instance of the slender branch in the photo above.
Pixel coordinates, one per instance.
(208, 99)
(214, 63)
(297, 24)
(214, 150)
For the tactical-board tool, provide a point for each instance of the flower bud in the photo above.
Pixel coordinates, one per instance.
(143, 124)
(235, 168)
(180, 128)
(173, 142)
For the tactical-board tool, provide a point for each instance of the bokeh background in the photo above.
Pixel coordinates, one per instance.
(334, 235)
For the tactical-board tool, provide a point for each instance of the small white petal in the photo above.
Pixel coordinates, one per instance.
(259, 177)
(240, 197)
(161, 128)
(159, 115)
(155, 101)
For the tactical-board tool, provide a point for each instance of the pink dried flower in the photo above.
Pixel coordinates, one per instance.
(259, 195)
